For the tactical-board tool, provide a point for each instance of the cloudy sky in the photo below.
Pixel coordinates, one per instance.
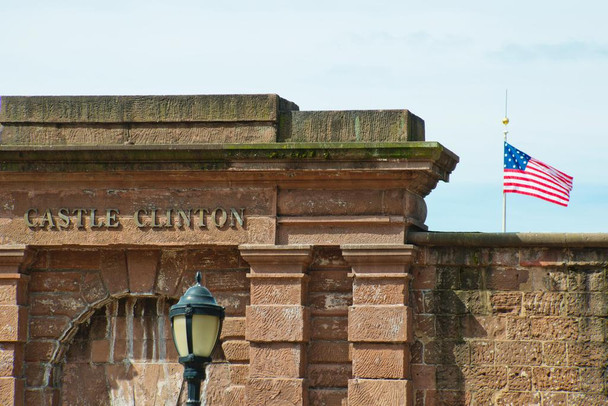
(448, 62)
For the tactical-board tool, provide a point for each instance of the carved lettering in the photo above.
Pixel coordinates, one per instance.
(172, 218)
(27, 218)
(64, 216)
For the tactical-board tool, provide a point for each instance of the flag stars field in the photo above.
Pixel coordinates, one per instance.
(528, 176)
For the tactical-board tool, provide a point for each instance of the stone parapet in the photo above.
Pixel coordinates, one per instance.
(197, 119)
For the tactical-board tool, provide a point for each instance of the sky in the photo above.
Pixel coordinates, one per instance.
(447, 62)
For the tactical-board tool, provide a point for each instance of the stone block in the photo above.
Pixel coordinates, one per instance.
(506, 302)
(142, 109)
(330, 280)
(277, 291)
(329, 375)
(328, 397)
(380, 324)
(13, 323)
(478, 377)
(40, 350)
(555, 379)
(424, 376)
(142, 268)
(13, 290)
(380, 361)
(114, 272)
(482, 352)
(239, 374)
(277, 323)
(48, 326)
(554, 353)
(85, 260)
(11, 359)
(49, 304)
(365, 392)
(93, 289)
(172, 265)
(380, 291)
(355, 125)
(519, 378)
(236, 350)
(276, 392)
(518, 353)
(330, 303)
(11, 391)
(235, 303)
(332, 352)
(423, 277)
(280, 360)
(55, 281)
(233, 327)
(329, 328)
(235, 395)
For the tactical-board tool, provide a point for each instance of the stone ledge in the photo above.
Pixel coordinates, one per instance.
(494, 240)
(142, 109)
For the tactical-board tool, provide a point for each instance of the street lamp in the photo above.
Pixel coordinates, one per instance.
(196, 323)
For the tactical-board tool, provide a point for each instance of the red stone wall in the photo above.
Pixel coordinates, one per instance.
(510, 326)
(100, 317)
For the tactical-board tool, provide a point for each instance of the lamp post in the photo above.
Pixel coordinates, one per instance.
(196, 323)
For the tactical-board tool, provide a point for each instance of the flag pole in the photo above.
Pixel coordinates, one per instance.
(505, 122)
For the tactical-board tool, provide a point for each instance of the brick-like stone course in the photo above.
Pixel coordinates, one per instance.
(507, 326)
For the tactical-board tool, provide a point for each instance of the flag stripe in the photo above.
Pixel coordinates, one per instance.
(527, 176)
(559, 173)
(540, 197)
(522, 185)
(553, 174)
(535, 185)
(513, 175)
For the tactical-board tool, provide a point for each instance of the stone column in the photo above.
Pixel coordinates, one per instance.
(13, 324)
(277, 324)
(380, 325)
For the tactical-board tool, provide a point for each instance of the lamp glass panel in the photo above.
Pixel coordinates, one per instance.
(179, 335)
(205, 330)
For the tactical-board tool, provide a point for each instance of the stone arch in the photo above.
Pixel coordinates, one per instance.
(79, 311)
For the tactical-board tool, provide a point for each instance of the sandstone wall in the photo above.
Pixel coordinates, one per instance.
(510, 326)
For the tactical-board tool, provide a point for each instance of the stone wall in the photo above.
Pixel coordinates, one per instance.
(510, 326)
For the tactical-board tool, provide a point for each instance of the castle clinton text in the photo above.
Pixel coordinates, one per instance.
(92, 218)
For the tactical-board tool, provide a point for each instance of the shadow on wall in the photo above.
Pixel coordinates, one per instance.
(123, 356)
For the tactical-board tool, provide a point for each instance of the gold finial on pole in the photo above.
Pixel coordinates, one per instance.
(505, 121)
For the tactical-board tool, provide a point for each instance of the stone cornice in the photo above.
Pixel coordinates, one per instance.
(427, 157)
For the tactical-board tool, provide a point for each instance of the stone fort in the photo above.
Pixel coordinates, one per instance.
(309, 227)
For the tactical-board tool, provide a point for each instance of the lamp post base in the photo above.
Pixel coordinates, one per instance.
(194, 373)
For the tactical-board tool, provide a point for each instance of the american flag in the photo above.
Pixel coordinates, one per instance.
(528, 176)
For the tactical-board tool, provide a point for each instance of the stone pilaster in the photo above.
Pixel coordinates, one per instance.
(380, 324)
(277, 324)
(13, 324)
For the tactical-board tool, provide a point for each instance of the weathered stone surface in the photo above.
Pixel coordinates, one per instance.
(340, 126)
(268, 291)
(277, 323)
(276, 391)
(281, 360)
(380, 361)
(380, 324)
(365, 392)
(142, 109)
(142, 267)
(13, 323)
